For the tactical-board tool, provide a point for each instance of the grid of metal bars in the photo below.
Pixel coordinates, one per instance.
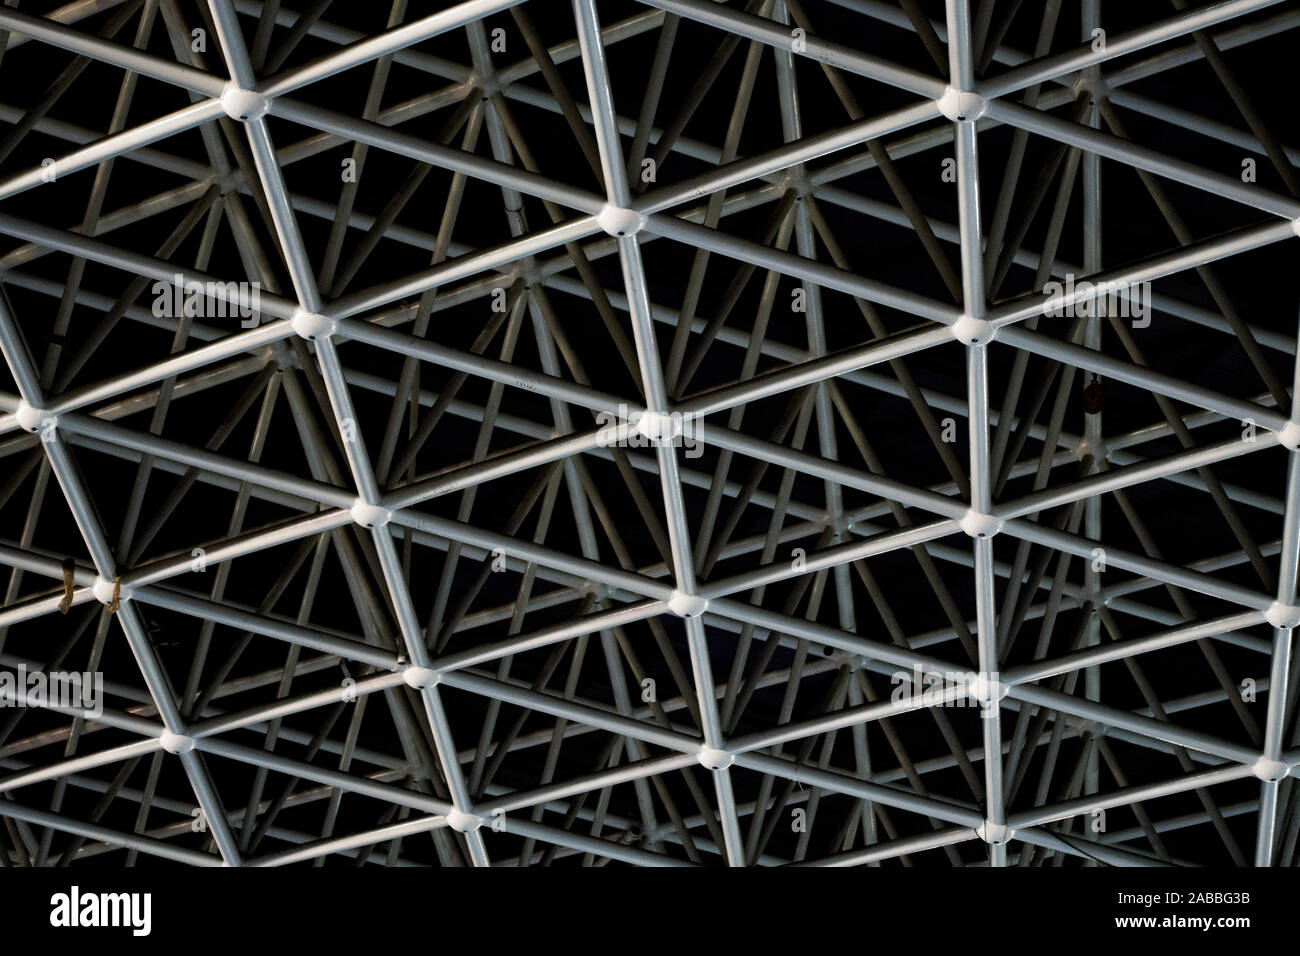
(358, 493)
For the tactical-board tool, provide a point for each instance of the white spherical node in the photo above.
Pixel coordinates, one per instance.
(1082, 727)
(986, 690)
(618, 221)
(284, 358)
(370, 516)
(312, 325)
(659, 426)
(419, 677)
(243, 105)
(969, 330)
(103, 591)
(996, 834)
(1295, 226)
(687, 605)
(1282, 615)
(715, 759)
(176, 743)
(1289, 436)
(958, 105)
(1094, 88)
(463, 822)
(979, 525)
(30, 418)
(1266, 769)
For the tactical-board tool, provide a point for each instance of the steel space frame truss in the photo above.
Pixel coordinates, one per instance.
(367, 508)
